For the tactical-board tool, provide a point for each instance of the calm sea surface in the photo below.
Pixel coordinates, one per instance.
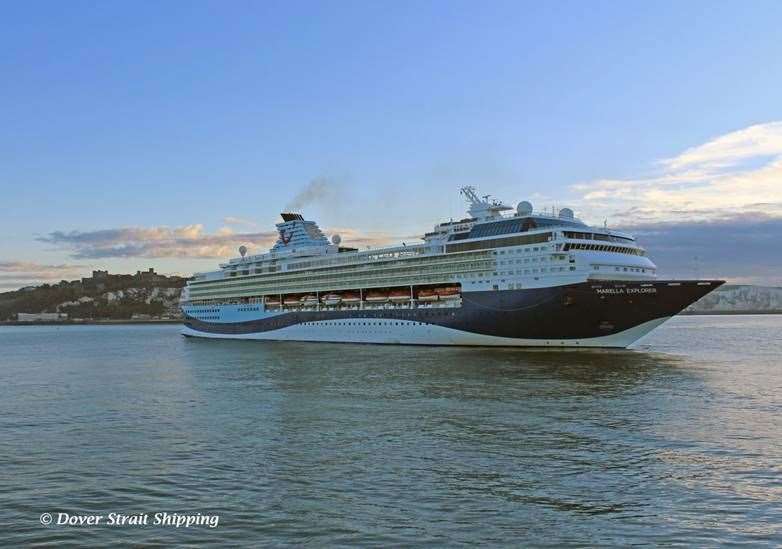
(678, 441)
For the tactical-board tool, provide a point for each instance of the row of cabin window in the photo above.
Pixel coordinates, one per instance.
(534, 271)
(522, 250)
(601, 248)
(535, 260)
(597, 236)
(625, 269)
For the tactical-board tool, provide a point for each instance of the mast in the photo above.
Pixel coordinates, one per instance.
(484, 207)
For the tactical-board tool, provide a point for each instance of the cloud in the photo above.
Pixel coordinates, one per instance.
(15, 274)
(361, 239)
(742, 249)
(730, 149)
(190, 241)
(31, 267)
(733, 174)
(240, 222)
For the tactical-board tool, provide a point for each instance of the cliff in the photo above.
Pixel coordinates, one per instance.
(103, 296)
(736, 299)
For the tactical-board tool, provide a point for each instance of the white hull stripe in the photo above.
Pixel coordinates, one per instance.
(415, 333)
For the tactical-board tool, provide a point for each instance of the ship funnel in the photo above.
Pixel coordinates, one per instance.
(289, 216)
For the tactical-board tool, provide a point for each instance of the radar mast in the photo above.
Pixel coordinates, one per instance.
(482, 207)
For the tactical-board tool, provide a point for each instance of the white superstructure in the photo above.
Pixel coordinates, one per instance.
(490, 250)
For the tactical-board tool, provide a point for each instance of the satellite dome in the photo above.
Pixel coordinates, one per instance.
(243, 250)
(524, 208)
(566, 213)
(336, 239)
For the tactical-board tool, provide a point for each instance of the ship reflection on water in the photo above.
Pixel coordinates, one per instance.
(491, 372)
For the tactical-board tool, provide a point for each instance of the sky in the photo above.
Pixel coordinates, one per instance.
(165, 135)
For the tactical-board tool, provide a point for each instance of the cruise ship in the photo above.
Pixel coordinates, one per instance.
(503, 276)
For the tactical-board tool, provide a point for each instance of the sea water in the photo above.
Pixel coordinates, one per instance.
(676, 441)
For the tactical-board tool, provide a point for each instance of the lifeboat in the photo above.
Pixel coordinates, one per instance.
(399, 295)
(376, 297)
(272, 301)
(427, 295)
(449, 292)
(309, 300)
(351, 298)
(331, 299)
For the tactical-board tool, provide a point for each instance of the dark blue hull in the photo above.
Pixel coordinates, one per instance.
(585, 311)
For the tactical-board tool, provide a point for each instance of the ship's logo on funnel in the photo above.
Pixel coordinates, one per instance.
(285, 237)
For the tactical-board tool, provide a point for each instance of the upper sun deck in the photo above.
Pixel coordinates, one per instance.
(504, 224)
(523, 221)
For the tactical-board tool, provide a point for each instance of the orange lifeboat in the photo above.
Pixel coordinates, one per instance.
(427, 294)
(376, 297)
(399, 295)
(351, 298)
(448, 292)
(272, 301)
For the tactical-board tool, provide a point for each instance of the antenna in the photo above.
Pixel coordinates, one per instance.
(482, 208)
(469, 193)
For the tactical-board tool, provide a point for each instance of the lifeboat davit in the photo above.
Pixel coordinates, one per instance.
(331, 299)
(376, 297)
(428, 295)
(399, 295)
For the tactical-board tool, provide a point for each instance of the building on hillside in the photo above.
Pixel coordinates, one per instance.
(41, 317)
(97, 281)
(102, 280)
(149, 276)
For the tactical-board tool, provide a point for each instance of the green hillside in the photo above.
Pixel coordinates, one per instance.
(102, 296)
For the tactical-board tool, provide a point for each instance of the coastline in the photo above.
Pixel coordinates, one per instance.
(88, 322)
(723, 313)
